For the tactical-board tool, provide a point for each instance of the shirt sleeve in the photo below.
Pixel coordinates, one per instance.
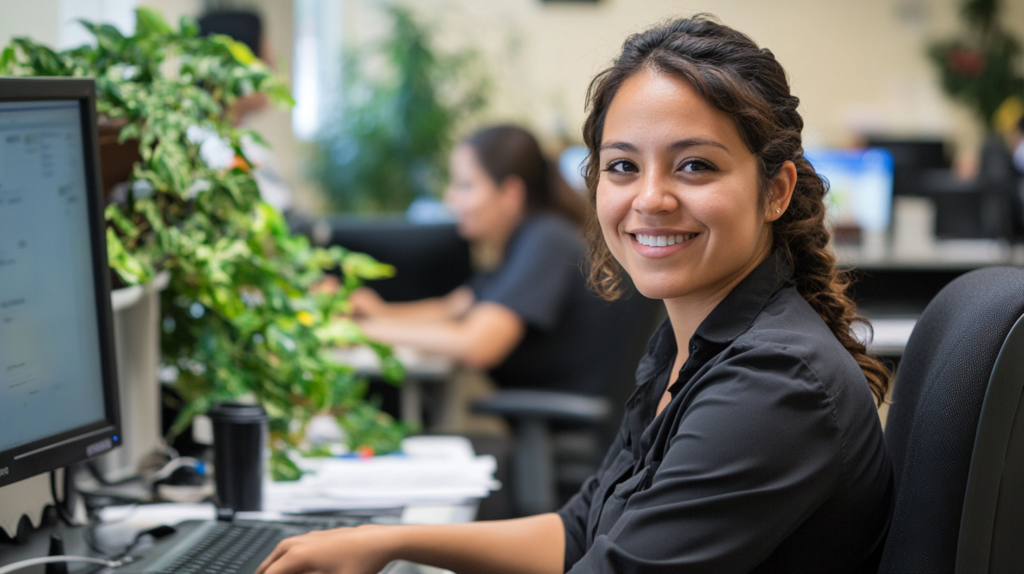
(756, 452)
(537, 275)
(575, 512)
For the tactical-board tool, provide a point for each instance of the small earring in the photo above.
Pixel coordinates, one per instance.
(778, 211)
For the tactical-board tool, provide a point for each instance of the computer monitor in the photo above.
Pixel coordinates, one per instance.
(911, 157)
(860, 186)
(58, 380)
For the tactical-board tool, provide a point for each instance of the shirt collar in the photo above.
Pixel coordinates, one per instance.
(733, 316)
(727, 321)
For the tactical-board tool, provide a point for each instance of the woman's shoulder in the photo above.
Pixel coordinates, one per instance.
(549, 224)
(548, 233)
(788, 325)
(791, 346)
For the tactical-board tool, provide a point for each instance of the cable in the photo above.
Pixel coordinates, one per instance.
(157, 533)
(58, 504)
(173, 465)
(51, 559)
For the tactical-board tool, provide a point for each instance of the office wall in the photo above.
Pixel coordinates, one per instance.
(36, 19)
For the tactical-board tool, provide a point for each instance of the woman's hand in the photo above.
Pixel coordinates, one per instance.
(366, 302)
(360, 550)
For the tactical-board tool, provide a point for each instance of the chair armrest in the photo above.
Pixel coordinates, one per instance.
(549, 405)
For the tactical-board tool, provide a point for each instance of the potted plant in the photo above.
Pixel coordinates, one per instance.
(239, 317)
(388, 144)
(982, 68)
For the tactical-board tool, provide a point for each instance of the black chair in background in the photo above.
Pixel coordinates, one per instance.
(430, 259)
(955, 432)
(561, 437)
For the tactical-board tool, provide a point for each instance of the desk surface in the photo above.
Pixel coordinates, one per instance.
(950, 255)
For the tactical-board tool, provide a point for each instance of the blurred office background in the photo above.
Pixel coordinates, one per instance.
(860, 68)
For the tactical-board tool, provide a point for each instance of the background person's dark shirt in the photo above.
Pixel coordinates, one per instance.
(769, 457)
(541, 281)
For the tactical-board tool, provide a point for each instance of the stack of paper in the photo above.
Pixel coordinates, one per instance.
(429, 470)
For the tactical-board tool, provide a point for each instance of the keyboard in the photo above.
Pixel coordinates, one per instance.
(211, 547)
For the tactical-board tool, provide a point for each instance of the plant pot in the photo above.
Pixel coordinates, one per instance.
(137, 343)
(116, 159)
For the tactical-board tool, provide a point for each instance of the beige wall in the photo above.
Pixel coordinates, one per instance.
(33, 18)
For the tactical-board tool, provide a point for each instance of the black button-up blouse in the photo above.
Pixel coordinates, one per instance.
(769, 457)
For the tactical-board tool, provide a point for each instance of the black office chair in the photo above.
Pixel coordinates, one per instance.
(955, 432)
(561, 437)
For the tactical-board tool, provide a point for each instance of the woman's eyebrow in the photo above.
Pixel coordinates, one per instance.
(622, 146)
(693, 142)
(674, 146)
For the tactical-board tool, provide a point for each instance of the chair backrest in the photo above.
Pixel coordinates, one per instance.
(430, 259)
(934, 420)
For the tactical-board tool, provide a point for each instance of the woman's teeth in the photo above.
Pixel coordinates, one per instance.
(662, 240)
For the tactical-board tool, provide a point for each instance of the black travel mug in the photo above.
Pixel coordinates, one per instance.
(239, 441)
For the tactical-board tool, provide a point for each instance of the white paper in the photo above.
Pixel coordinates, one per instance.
(430, 470)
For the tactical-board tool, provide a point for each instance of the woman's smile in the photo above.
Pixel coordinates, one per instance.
(661, 243)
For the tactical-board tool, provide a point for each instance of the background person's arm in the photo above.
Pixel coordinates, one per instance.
(367, 303)
(533, 545)
(482, 339)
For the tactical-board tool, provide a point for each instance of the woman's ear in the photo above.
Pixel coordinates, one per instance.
(781, 188)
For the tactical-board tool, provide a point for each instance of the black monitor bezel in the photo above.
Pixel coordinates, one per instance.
(75, 445)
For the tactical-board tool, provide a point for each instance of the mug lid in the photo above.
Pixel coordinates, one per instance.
(238, 412)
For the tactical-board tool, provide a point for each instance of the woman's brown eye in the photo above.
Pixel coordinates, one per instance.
(696, 165)
(620, 166)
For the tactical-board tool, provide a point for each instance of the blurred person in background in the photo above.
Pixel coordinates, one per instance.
(527, 320)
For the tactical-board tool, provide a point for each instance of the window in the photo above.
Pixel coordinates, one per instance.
(317, 64)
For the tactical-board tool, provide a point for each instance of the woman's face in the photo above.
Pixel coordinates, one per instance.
(483, 208)
(677, 197)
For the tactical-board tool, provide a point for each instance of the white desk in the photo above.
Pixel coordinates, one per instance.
(890, 335)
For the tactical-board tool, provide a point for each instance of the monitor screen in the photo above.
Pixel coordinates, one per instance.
(55, 382)
(860, 186)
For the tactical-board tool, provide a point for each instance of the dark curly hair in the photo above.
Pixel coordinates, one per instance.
(746, 82)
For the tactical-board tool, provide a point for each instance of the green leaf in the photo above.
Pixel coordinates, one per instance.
(188, 26)
(341, 332)
(108, 37)
(240, 52)
(113, 214)
(282, 468)
(170, 162)
(127, 266)
(7, 59)
(150, 22)
(363, 266)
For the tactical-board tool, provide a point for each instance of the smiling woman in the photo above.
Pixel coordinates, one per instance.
(751, 443)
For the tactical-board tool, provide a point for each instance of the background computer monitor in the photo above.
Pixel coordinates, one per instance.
(860, 186)
(911, 156)
(58, 381)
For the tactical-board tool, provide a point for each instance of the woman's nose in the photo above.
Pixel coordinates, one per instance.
(655, 195)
